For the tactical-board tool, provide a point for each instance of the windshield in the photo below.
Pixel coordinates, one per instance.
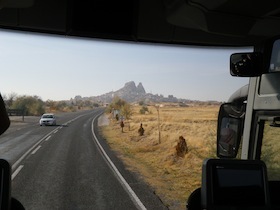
(47, 116)
(134, 121)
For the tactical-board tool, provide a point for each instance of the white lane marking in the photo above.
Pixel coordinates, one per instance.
(131, 193)
(48, 138)
(35, 150)
(17, 171)
(55, 131)
(15, 165)
(28, 151)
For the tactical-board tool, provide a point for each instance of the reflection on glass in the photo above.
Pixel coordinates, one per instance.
(228, 136)
(275, 57)
(246, 64)
(243, 62)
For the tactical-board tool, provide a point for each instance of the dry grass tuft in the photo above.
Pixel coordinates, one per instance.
(173, 178)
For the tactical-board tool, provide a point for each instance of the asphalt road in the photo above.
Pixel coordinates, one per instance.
(69, 166)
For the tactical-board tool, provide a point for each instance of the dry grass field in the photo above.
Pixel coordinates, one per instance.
(270, 148)
(173, 178)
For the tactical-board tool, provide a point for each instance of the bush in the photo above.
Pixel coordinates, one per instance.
(143, 110)
(141, 103)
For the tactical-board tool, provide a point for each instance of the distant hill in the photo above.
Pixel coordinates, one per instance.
(132, 93)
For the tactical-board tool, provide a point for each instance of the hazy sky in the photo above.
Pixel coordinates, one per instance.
(59, 68)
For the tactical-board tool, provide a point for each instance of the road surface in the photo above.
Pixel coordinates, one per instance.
(69, 166)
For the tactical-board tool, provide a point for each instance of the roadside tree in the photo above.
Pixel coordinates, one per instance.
(126, 112)
(32, 105)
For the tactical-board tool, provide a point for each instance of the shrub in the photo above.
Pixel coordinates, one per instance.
(143, 110)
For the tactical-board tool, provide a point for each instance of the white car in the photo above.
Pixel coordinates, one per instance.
(47, 119)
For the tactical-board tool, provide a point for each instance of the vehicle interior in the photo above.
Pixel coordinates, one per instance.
(223, 23)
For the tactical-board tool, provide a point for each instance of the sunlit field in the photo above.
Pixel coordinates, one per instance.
(153, 155)
(270, 148)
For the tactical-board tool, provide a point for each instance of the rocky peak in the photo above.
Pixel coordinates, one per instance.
(140, 89)
(130, 86)
(130, 92)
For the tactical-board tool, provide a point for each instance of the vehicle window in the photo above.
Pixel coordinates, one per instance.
(270, 150)
(47, 116)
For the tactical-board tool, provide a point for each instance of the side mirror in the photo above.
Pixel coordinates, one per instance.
(6, 201)
(275, 57)
(275, 122)
(4, 118)
(5, 184)
(230, 121)
(246, 64)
